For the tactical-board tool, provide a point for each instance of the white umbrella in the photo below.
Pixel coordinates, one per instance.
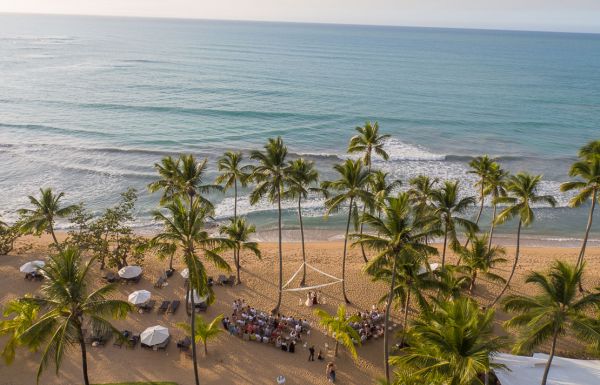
(432, 266)
(197, 299)
(130, 272)
(139, 297)
(32, 267)
(185, 273)
(154, 335)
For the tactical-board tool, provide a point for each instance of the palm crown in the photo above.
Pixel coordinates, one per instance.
(270, 172)
(340, 327)
(368, 140)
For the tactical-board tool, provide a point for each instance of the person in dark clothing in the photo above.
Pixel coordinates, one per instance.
(311, 353)
(320, 356)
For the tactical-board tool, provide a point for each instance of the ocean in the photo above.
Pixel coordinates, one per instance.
(89, 104)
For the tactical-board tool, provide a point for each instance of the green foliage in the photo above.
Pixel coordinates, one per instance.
(368, 140)
(18, 317)
(205, 331)
(8, 235)
(339, 326)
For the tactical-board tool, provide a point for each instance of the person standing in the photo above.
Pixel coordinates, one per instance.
(311, 353)
(330, 372)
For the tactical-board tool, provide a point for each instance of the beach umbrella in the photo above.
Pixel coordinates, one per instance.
(32, 267)
(197, 298)
(130, 272)
(432, 266)
(154, 335)
(185, 273)
(139, 297)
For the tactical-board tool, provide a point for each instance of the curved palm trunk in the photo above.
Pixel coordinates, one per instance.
(193, 330)
(445, 243)
(276, 309)
(303, 282)
(587, 230)
(405, 322)
(187, 297)
(492, 226)
(84, 367)
(386, 339)
(171, 261)
(362, 247)
(51, 228)
(205, 349)
(235, 199)
(549, 363)
(345, 248)
(482, 199)
(472, 284)
(335, 351)
(236, 257)
(512, 272)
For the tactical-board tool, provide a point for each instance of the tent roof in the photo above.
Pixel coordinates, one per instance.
(529, 370)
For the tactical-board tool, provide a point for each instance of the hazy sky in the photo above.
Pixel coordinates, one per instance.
(553, 15)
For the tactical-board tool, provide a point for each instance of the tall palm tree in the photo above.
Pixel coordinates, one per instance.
(168, 171)
(452, 282)
(479, 259)
(482, 167)
(46, 209)
(590, 150)
(588, 186)
(557, 311)
(397, 241)
(301, 176)
(19, 317)
(381, 189)
(421, 195)
(448, 205)
(185, 227)
(270, 176)
(204, 330)
(451, 344)
(238, 231)
(366, 141)
(350, 187)
(67, 304)
(522, 189)
(495, 188)
(232, 174)
(340, 327)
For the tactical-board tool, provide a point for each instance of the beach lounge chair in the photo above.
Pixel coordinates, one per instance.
(173, 308)
(211, 281)
(148, 306)
(136, 279)
(231, 280)
(169, 272)
(163, 307)
(222, 280)
(111, 277)
(160, 283)
(163, 346)
(184, 344)
(202, 306)
(132, 342)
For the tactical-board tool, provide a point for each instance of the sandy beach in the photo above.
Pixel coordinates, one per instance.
(232, 360)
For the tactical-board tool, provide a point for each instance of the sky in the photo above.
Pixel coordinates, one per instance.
(545, 15)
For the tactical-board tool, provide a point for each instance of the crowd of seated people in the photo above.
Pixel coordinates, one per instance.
(370, 324)
(251, 324)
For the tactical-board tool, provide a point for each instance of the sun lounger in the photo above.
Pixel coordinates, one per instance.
(122, 338)
(169, 272)
(160, 282)
(148, 306)
(132, 342)
(173, 308)
(231, 280)
(164, 345)
(211, 281)
(202, 306)
(163, 307)
(184, 344)
(222, 280)
(111, 277)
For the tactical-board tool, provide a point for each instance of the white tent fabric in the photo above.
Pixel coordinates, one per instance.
(523, 370)
(154, 335)
(432, 266)
(197, 299)
(130, 272)
(32, 267)
(139, 297)
(185, 273)
(335, 279)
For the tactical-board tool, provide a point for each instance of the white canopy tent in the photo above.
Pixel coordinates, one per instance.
(524, 370)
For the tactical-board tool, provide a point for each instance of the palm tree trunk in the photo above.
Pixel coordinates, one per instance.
(335, 351)
(345, 248)
(303, 282)
(512, 272)
(587, 230)
(205, 349)
(552, 350)
(404, 323)
(171, 262)
(492, 226)
(482, 198)
(236, 256)
(187, 296)
(53, 235)
(472, 284)
(84, 367)
(386, 339)
(276, 309)
(193, 330)
(362, 247)
(235, 199)
(445, 242)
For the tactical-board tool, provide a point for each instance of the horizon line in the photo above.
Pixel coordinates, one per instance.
(298, 22)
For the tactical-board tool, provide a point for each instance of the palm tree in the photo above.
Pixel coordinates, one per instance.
(381, 189)
(270, 175)
(340, 327)
(480, 259)
(448, 205)
(495, 188)
(168, 170)
(185, 227)
(397, 242)
(481, 166)
(366, 141)
(44, 214)
(350, 187)
(301, 175)
(588, 186)
(232, 174)
(590, 150)
(238, 231)
(421, 195)
(451, 283)
(523, 195)
(21, 315)
(204, 330)
(67, 303)
(451, 344)
(557, 311)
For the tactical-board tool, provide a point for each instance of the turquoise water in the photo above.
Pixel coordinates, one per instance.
(88, 104)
